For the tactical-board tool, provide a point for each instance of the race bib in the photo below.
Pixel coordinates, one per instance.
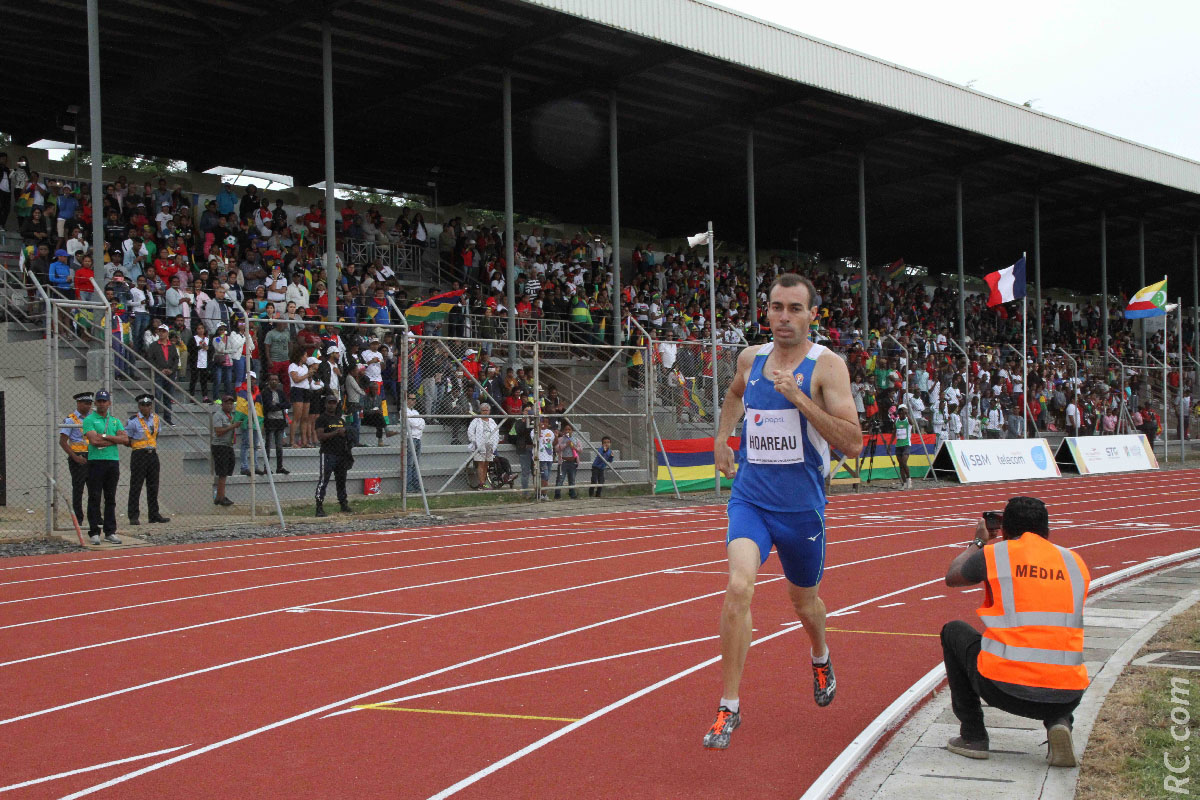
(774, 436)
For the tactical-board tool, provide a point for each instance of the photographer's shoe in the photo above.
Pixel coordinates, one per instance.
(1061, 749)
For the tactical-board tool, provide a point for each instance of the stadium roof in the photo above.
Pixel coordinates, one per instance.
(417, 87)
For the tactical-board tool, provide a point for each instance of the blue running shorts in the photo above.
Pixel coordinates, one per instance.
(798, 538)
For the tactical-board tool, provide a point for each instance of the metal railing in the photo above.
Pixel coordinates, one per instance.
(401, 258)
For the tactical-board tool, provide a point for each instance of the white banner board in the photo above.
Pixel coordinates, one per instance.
(1099, 454)
(976, 460)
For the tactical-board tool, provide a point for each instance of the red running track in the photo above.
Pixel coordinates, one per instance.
(567, 657)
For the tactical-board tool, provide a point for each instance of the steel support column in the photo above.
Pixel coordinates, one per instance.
(1037, 269)
(613, 175)
(510, 248)
(332, 276)
(1104, 283)
(962, 284)
(1142, 278)
(615, 199)
(864, 290)
(97, 173)
(751, 227)
(1195, 296)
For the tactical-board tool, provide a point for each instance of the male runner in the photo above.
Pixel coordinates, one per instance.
(797, 403)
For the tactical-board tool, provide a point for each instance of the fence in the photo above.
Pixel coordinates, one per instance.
(585, 386)
(651, 390)
(405, 260)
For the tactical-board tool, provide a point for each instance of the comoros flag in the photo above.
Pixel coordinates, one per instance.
(1006, 284)
(1151, 301)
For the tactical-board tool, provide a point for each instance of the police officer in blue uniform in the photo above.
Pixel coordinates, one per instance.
(143, 428)
(72, 442)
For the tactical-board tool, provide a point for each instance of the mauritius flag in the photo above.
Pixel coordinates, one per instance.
(878, 457)
(1149, 302)
(434, 309)
(690, 463)
(1006, 284)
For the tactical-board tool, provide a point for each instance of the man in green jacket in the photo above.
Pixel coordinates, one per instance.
(104, 433)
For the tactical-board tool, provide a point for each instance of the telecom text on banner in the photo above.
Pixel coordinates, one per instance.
(976, 460)
(1097, 454)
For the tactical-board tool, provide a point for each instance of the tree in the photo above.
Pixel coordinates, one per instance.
(154, 165)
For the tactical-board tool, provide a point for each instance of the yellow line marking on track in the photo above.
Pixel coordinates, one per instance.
(882, 633)
(381, 707)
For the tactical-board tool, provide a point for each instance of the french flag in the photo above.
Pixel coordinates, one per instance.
(1006, 284)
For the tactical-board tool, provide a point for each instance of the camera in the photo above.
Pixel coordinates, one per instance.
(874, 427)
(993, 520)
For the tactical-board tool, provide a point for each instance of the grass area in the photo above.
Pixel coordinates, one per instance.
(391, 505)
(1133, 733)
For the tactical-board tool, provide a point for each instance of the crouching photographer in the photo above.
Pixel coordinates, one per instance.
(1029, 660)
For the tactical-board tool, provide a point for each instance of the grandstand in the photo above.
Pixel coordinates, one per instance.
(550, 159)
(1011, 178)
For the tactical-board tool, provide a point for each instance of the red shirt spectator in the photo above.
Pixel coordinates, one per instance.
(83, 281)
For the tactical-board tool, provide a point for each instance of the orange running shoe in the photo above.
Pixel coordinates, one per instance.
(824, 683)
(718, 735)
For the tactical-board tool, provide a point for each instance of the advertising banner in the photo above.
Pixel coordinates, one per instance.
(976, 460)
(1087, 455)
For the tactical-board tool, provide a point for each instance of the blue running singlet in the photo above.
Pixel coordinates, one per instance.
(782, 461)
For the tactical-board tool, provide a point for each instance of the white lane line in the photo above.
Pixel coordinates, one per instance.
(891, 605)
(976, 589)
(325, 546)
(933, 597)
(841, 507)
(355, 634)
(364, 695)
(445, 531)
(717, 572)
(356, 574)
(93, 768)
(1130, 562)
(512, 757)
(879, 502)
(840, 613)
(291, 564)
(545, 740)
(1101, 566)
(543, 670)
(303, 610)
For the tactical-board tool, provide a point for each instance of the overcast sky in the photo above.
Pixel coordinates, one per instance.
(1124, 68)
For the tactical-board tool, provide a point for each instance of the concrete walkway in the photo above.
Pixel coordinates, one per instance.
(915, 764)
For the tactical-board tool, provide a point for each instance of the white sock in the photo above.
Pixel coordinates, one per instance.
(824, 659)
(732, 705)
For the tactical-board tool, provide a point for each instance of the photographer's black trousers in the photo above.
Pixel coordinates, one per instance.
(960, 651)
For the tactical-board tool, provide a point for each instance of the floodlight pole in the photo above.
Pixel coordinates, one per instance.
(510, 246)
(712, 327)
(864, 289)
(1180, 408)
(751, 227)
(331, 270)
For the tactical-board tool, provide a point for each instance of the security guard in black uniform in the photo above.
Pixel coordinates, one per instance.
(143, 430)
(71, 440)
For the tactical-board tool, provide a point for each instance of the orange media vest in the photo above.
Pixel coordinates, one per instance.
(1033, 613)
